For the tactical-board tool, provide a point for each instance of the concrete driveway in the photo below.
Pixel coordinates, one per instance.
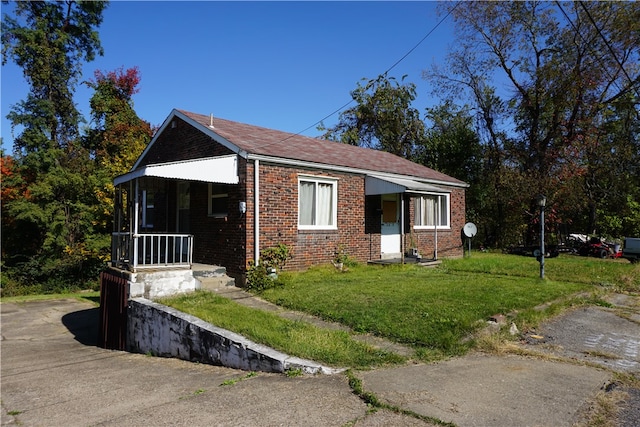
(53, 375)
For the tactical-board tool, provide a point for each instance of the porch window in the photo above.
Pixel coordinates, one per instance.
(431, 210)
(147, 209)
(218, 200)
(317, 203)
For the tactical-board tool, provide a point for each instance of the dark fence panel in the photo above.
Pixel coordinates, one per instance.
(114, 295)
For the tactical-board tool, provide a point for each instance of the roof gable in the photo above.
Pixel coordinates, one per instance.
(249, 140)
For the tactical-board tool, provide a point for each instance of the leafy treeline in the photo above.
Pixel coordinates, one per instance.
(56, 185)
(537, 98)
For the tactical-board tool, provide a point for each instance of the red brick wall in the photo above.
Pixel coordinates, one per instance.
(182, 142)
(449, 240)
(279, 216)
(358, 219)
(217, 241)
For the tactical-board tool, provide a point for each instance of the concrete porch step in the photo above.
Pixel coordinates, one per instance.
(211, 277)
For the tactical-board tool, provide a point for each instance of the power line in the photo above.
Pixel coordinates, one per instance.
(386, 72)
(597, 55)
(606, 42)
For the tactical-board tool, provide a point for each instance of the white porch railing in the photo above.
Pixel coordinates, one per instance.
(139, 251)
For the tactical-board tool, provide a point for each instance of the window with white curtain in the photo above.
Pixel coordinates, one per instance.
(317, 203)
(431, 210)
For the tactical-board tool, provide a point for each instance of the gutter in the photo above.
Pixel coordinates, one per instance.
(315, 165)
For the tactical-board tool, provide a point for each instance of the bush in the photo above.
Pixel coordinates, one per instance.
(50, 276)
(264, 275)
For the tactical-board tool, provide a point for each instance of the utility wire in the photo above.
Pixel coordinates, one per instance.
(606, 42)
(596, 54)
(389, 69)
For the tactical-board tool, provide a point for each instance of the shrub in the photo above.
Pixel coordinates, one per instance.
(264, 275)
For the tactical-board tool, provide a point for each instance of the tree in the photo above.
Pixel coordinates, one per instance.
(118, 137)
(452, 146)
(50, 45)
(565, 66)
(50, 41)
(382, 119)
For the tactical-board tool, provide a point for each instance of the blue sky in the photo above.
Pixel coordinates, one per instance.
(282, 65)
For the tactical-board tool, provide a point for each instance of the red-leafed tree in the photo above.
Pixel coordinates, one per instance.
(118, 135)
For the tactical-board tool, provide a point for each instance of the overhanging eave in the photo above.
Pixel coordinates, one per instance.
(223, 170)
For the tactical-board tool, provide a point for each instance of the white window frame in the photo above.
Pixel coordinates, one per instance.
(334, 197)
(212, 196)
(447, 223)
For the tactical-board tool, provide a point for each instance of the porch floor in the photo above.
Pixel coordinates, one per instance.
(204, 267)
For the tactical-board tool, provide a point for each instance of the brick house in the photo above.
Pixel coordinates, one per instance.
(213, 191)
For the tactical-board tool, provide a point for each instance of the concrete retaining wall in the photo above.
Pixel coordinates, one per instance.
(163, 331)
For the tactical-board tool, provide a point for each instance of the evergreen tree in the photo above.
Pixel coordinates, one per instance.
(50, 41)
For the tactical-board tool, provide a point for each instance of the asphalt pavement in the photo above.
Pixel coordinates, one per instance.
(53, 374)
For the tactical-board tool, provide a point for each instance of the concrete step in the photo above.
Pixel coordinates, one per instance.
(215, 283)
(212, 277)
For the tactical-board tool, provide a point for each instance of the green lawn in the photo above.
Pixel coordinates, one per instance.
(335, 348)
(434, 310)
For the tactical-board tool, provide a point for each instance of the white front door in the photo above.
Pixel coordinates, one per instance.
(390, 233)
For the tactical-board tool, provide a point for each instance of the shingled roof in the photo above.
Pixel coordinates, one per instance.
(257, 140)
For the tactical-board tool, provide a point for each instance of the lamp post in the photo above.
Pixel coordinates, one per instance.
(542, 201)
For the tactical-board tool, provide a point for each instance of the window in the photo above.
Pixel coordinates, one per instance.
(430, 210)
(218, 200)
(147, 208)
(317, 203)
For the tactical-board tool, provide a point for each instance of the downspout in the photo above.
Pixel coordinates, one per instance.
(402, 227)
(256, 211)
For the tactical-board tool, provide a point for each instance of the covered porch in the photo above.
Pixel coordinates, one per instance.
(408, 208)
(152, 212)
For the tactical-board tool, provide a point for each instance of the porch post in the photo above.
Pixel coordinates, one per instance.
(402, 227)
(435, 227)
(115, 238)
(136, 206)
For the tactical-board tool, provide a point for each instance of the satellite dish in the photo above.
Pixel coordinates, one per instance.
(470, 229)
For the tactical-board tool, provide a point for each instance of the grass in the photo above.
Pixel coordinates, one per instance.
(91, 296)
(433, 310)
(335, 348)
(593, 271)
